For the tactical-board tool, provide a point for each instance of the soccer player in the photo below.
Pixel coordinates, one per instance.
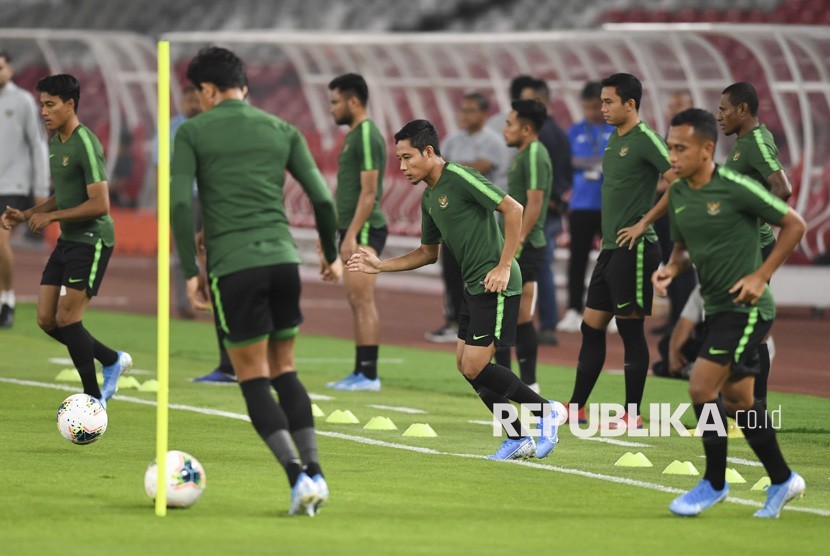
(756, 156)
(361, 222)
(77, 265)
(528, 182)
(631, 165)
(457, 207)
(24, 169)
(713, 215)
(240, 155)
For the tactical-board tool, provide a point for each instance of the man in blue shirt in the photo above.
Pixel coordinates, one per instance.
(588, 140)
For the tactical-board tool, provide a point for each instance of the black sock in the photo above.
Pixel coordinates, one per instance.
(366, 361)
(79, 344)
(591, 360)
(762, 377)
(490, 399)
(636, 360)
(527, 350)
(505, 383)
(270, 423)
(714, 446)
(297, 406)
(504, 357)
(100, 352)
(760, 435)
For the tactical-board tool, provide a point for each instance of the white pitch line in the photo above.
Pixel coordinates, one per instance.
(741, 461)
(429, 451)
(67, 361)
(320, 397)
(399, 409)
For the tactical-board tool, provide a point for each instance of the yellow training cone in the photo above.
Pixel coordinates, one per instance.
(681, 468)
(380, 424)
(151, 385)
(338, 417)
(733, 477)
(128, 383)
(762, 484)
(316, 411)
(68, 375)
(633, 460)
(420, 429)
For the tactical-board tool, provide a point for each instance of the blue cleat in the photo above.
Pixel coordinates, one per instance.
(356, 382)
(102, 401)
(548, 438)
(303, 496)
(216, 375)
(521, 448)
(111, 373)
(779, 495)
(322, 492)
(340, 384)
(698, 499)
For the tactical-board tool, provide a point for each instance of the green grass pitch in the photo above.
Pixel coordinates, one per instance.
(390, 494)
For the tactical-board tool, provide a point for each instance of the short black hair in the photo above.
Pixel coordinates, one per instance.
(540, 87)
(591, 91)
(519, 84)
(702, 121)
(481, 100)
(5, 54)
(217, 65)
(351, 84)
(61, 85)
(743, 92)
(420, 134)
(531, 111)
(627, 86)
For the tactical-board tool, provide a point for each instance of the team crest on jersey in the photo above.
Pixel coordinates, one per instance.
(346, 147)
(443, 202)
(623, 150)
(713, 208)
(736, 156)
(66, 160)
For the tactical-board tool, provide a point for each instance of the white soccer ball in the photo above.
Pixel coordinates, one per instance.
(184, 476)
(81, 419)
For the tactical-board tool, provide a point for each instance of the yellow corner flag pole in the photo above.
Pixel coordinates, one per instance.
(163, 356)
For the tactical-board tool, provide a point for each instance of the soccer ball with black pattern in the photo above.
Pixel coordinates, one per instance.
(184, 476)
(81, 419)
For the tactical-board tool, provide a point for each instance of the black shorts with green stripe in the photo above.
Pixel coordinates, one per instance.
(488, 318)
(373, 237)
(530, 261)
(621, 281)
(76, 265)
(733, 338)
(258, 303)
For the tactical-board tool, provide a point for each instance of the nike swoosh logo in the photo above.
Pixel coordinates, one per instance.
(75, 280)
(621, 305)
(678, 210)
(480, 337)
(713, 351)
(51, 156)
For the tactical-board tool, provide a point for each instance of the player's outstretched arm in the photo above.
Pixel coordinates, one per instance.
(365, 261)
(97, 204)
(751, 287)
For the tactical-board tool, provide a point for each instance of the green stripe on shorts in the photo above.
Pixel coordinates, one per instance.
(748, 329)
(364, 234)
(499, 315)
(284, 334)
(214, 286)
(94, 270)
(640, 251)
(243, 343)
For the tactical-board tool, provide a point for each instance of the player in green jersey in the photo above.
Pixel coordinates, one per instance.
(240, 155)
(632, 163)
(713, 215)
(77, 265)
(529, 182)
(360, 221)
(457, 207)
(755, 155)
